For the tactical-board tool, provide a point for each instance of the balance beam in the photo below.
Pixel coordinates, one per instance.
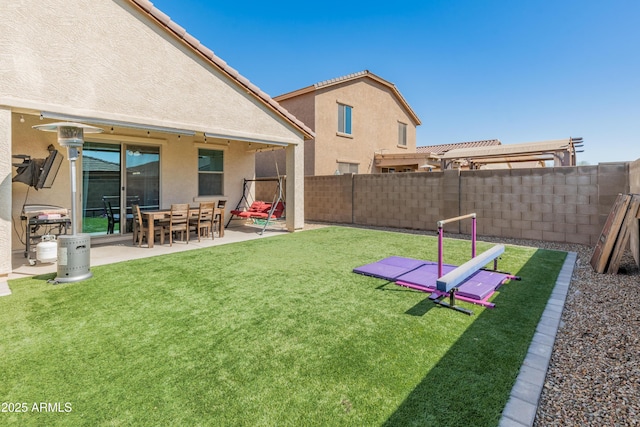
(457, 276)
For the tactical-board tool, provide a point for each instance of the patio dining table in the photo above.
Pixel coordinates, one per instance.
(152, 216)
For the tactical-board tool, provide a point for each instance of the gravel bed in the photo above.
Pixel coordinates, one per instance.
(594, 373)
(593, 377)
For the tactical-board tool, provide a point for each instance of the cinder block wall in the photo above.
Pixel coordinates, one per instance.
(634, 177)
(563, 204)
(552, 204)
(412, 200)
(329, 198)
(266, 191)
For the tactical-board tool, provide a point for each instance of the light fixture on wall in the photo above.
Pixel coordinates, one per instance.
(244, 139)
(21, 118)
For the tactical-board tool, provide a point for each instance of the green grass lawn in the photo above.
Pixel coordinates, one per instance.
(97, 224)
(275, 331)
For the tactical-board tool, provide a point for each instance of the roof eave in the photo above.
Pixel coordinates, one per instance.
(294, 93)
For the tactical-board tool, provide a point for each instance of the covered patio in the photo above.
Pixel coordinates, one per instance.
(116, 248)
(179, 125)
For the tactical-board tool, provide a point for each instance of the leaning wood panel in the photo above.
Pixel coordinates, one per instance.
(625, 232)
(635, 238)
(610, 231)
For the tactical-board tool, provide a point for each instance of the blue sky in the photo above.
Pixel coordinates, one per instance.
(513, 70)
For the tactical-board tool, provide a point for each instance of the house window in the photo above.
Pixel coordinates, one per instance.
(210, 172)
(344, 167)
(344, 119)
(402, 134)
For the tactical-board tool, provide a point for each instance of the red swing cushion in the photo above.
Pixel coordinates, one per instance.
(257, 209)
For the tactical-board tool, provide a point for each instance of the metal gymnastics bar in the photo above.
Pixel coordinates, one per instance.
(441, 224)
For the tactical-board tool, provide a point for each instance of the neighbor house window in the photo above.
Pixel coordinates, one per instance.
(344, 167)
(344, 119)
(210, 172)
(402, 134)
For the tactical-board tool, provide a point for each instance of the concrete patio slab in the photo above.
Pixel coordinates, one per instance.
(117, 248)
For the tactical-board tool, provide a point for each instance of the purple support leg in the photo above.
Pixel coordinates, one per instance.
(440, 250)
(473, 237)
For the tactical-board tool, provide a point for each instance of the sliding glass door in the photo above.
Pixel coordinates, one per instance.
(109, 189)
(101, 184)
(142, 176)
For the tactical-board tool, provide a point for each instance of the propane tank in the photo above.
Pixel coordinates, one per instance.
(47, 249)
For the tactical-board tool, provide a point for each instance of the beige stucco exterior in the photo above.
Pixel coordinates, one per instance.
(103, 58)
(377, 110)
(125, 61)
(5, 190)
(376, 114)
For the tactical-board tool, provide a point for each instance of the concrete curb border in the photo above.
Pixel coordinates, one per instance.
(523, 402)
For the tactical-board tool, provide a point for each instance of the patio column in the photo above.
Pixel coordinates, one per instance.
(295, 186)
(5, 192)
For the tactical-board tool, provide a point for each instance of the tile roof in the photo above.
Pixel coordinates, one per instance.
(344, 78)
(443, 148)
(92, 164)
(180, 33)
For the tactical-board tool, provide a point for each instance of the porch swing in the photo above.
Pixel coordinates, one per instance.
(261, 212)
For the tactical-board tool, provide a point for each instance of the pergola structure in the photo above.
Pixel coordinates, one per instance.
(486, 154)
(561, 152)
(407, 162)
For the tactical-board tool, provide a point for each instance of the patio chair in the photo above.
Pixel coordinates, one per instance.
(140, 227)
(217, 223)
(178, 221)
(112, 217)
(202, 221)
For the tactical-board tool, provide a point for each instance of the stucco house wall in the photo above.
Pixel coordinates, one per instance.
(377, 110)
(5, 191)
(272, 162)
(125, 61)
(375, 116)
(122, 66)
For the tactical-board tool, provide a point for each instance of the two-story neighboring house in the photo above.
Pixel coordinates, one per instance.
(354, 118)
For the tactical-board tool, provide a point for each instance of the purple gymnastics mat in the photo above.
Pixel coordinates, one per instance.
(482, 284)
(423, 275)
(390, 268)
